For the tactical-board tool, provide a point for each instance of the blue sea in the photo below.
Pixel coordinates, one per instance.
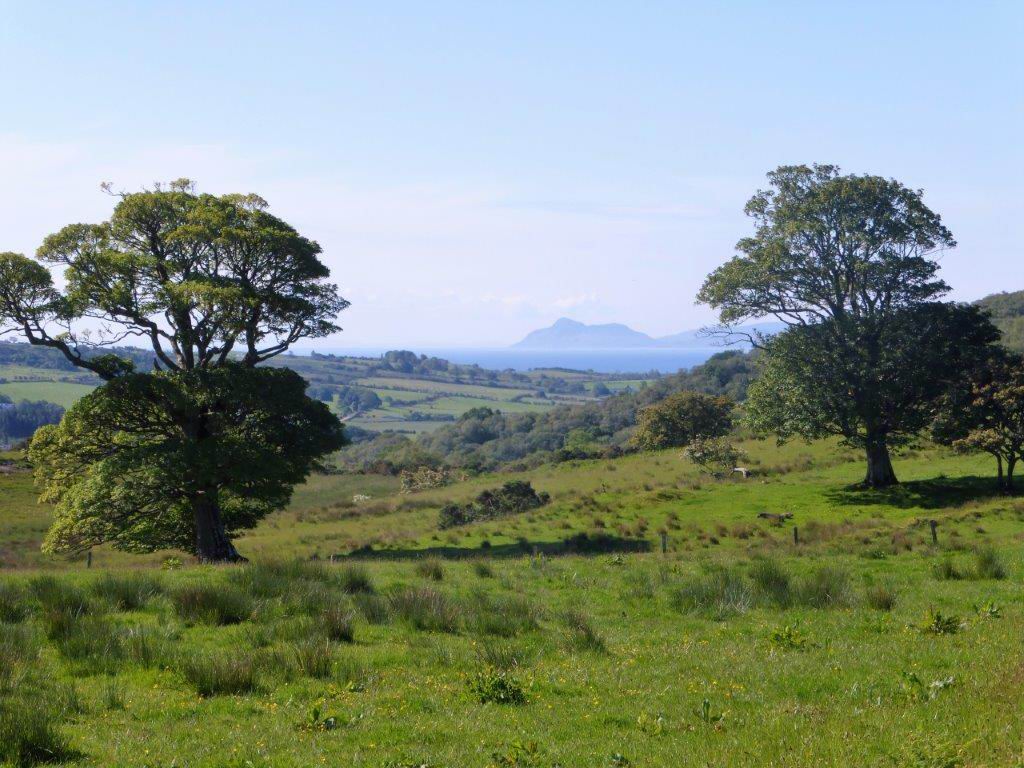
(599, 360)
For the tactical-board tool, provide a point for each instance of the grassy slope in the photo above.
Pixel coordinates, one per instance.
(843, 699)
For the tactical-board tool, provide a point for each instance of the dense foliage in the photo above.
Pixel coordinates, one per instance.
(888, 390)
(1007, 313)
(680, 418)
(215, 285)
(20, 420)
(512, 498)
(847, 262)
(126, 467)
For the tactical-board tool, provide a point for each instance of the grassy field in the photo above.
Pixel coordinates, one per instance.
(561, 636)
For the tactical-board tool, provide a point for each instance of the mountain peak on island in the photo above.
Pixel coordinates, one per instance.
(572, 334)
(567, 334)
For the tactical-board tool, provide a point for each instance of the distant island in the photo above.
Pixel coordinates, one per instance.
(566, 334)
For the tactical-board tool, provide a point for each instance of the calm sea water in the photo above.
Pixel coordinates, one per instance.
(600, 360)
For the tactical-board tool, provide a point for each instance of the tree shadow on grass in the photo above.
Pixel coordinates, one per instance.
(579, 544)
(936, 493)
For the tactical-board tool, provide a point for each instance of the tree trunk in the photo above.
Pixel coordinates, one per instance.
(880, 473)
(1011, 462)
(212, 542)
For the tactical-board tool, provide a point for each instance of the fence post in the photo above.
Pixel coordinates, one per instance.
(88, 559)
(796, 535)
(934, 526)
(664, 542)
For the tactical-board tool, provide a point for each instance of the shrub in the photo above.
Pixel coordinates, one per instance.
(989, 564)
(581, 634)
(681, 418)
(217, 673)
(425, 609)
(28, 732)
(771, 582)
(825, 587)
(718, 593)
(127, 591)
(210, 603)
(314, 657)
(938, 623)
(496, 686)
(512, 498)
(425, 478)
(789, 637)
(430, 568)
(881, 597)
(714, 456)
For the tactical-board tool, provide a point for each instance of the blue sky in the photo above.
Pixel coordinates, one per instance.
(474, 170)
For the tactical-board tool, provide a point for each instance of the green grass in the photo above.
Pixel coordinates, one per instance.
(486, 646)
(59, 392)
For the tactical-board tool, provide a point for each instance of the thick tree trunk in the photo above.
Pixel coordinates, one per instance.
(880, 473)
(1011, 463)
(212, 542)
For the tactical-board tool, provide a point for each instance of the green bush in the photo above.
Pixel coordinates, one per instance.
(512, 498)
(215, 673)
(497, 686)
(212, 603)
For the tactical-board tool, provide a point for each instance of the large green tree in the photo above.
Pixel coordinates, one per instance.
(841, 260)
(888, 389)
(215, 285)
(681, 418)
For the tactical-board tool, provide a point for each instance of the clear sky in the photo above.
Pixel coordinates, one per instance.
(474, 170)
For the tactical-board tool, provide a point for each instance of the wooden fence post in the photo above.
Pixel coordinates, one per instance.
(796, 535)
(664, 542)
(88, 559)
(934, 526)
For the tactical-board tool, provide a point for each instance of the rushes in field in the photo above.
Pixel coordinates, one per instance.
(374, 608)
(355, 579)
(946, 570)
(989, 564)
(210, 603)
(336, 622)
(772, 583)
(314, 657)
(425, 609)
(881, 597)
(580, 634)
(501, 616)
(718, 593)
(58, 595)
(127, 591)
(825, 587)
(28, 732)
(215, 673)
(14, 605)
(430, 568)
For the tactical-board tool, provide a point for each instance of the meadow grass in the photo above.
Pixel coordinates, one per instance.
(856, 646)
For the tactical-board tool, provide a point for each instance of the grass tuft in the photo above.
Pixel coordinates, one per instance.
(220, 673)
(212, 603)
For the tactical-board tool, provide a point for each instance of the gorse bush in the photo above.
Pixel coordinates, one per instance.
(210, 603)
(215, 673)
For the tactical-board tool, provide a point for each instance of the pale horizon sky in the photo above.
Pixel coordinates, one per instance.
(474, 171)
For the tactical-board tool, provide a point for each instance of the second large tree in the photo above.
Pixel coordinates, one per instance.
(848, 264)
